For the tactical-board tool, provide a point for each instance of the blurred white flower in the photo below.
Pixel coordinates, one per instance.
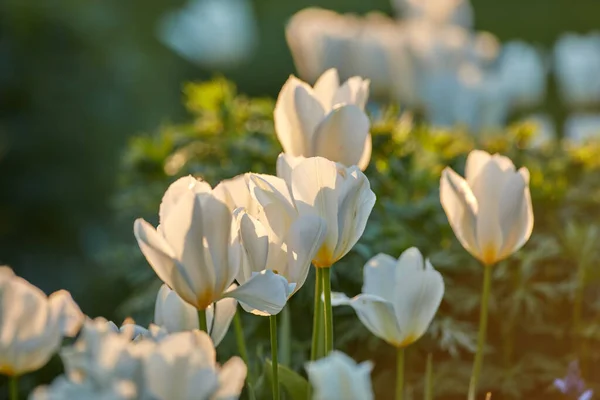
(523, 74)
(194, 251)
(399, 297)
(214, 33)
(490, 210)
(32, 325)
(338, 377)
(175, 315)
(319, 187)
(441, 12)
(183, 366)
(576, 64)
(104, 364)
(581, 127)
(327, 120)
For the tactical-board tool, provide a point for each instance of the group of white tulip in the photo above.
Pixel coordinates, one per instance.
(252, 240)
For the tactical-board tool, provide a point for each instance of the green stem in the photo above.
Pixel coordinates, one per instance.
(317, 316)
(327, 313)
(285, 336)
(483, 316)
(429, 378)
(400, 374)
(275, 364)
(241, 344)
(202, 321)
(13, 388)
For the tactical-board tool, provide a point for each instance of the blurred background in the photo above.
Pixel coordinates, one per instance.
(78, 78)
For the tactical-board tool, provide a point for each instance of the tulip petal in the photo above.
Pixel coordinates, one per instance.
(476, 160)
(341, 136)
(356, 201)
(305, 237)
(354, 91)
(516, 213)
(460, 206)
(314, 188)
(173, 313)
(66, 312)
(235, 193)
(255, 243)
(223, 310)
(380, 277)
(285, 164)
(231, 379)
(326, 87)
(265, 293)
(176, 189)
(160, 257)
(376, 314)
(365, 159)
(419, 293)
(296, 115)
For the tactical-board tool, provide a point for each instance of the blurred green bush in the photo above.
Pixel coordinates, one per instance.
(545, 299)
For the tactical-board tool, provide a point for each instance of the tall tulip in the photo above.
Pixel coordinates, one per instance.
(326, 120)
(194, 251)
(342, 197)
(398, 301)
(338, 377)
(491, 214)
(32, 325)
(175, 315)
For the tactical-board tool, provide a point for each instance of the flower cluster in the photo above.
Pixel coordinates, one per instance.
(252, 240)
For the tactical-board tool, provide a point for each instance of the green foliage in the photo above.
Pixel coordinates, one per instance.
(545, 298)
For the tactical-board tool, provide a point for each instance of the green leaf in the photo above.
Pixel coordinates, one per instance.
(293, 383)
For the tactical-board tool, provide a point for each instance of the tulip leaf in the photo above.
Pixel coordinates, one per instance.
(295, 385)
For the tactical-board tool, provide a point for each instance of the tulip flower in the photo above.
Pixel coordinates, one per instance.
(327, 120)
(338, 377)
(341, 196)
(399, 297)
(183, 366)
(491, 215)
(32, 325)
(175, 315)
(490, 210)
(398, 301)
(104, 364)
(194, 251)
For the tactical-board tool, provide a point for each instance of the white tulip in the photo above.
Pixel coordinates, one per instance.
(490, 211)
(183, 366)
(175, 315)
(105, 364)
(326, 120)
(338, 377)
(341, 196)
(32, 325)
(278, 238)
(399, 297)
(194, 251)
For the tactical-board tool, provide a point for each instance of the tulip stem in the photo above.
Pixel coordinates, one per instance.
(483, 316)
(241, 344)
(285, 336)
(274, 363)
(317, 316)
(202, 325)
(13, 388)
(400, 374)
(328, 310)
(429, 378)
